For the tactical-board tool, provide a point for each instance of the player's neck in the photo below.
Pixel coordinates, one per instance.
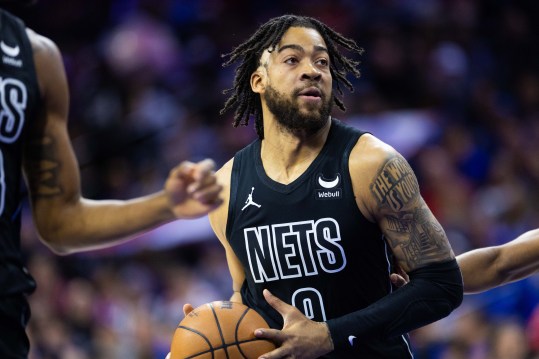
(287, 155)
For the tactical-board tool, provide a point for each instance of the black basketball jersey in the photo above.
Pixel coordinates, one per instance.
(19, 95)
(308, 242)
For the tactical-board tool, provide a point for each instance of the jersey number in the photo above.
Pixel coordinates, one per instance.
(309, 301)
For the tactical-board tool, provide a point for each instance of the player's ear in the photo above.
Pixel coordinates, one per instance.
(258, 80)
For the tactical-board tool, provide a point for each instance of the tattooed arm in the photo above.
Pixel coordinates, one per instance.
(64, 219)
(393, 200)
(387, 193)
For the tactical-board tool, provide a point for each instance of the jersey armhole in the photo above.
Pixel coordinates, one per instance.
(28, 49)
(234, 179)
(347, 177)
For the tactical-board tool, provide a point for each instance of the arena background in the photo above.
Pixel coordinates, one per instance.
(451, 84)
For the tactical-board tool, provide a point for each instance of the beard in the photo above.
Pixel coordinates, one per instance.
(290, 117)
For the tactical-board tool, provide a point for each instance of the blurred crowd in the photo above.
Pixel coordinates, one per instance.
(452, 84)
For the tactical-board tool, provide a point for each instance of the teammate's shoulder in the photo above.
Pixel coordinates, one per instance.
(42, 45)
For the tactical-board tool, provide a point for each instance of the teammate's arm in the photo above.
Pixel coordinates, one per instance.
(65, 220)
(489, 267)
(387, 192)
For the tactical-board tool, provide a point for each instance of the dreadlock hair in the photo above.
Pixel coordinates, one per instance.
(248, 53)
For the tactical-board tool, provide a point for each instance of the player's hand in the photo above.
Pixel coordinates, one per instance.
(399, 278)
(300, 337)
(192, 189)
(187, 308)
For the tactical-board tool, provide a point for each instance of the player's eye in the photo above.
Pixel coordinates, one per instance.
(291, 60)
(322, 62)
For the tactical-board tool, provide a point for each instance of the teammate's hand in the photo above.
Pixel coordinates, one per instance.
(192, 189)
(300, 337)
(399, 278)
(187, 308)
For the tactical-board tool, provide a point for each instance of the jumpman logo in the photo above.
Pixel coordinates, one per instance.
(250, 201)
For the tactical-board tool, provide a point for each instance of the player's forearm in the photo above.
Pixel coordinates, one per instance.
(489, 267)
(433, 292)
(93, 224)
(479, 269)
(519, 258)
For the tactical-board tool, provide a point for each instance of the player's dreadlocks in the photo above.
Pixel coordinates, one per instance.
(247, 102)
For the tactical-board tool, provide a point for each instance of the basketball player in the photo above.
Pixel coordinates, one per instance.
(489, 267)
(315, 210)
(34, 137)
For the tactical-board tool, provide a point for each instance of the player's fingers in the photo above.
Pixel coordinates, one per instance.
(274, 335)
(203, 175)
(209, 195)
(203, 169)
(182, 169)
(276, 303)
(277, 337)
(178, 177)
(202, 183)
(397, 280)
(280, 352)
(187, 308)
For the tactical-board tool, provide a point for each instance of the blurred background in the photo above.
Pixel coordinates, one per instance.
(452, 84)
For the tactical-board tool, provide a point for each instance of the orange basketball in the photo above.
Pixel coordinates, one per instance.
(220, 330)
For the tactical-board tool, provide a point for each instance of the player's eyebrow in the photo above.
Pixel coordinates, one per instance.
(317, 48)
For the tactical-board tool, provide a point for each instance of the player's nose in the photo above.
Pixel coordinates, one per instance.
(310, 72)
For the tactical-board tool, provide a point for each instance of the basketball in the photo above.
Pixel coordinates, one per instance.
(220, 330)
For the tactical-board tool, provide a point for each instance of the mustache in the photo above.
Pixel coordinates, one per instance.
(298, 91)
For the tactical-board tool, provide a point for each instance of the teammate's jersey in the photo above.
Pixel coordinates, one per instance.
(19, 95)
(308, 243)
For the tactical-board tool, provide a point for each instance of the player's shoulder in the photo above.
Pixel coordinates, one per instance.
(224, 175)
(49, 66)
(225, 171)
(42, 46)
(370, 153)
(218, 217)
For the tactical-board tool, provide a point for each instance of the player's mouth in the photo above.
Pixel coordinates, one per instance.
(310, 94)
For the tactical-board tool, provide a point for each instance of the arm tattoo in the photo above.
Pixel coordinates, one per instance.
(426, 238)
(42, 167)
(395, 185)
(410, 228)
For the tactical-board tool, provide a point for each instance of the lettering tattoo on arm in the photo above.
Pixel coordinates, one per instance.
(409, 226)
